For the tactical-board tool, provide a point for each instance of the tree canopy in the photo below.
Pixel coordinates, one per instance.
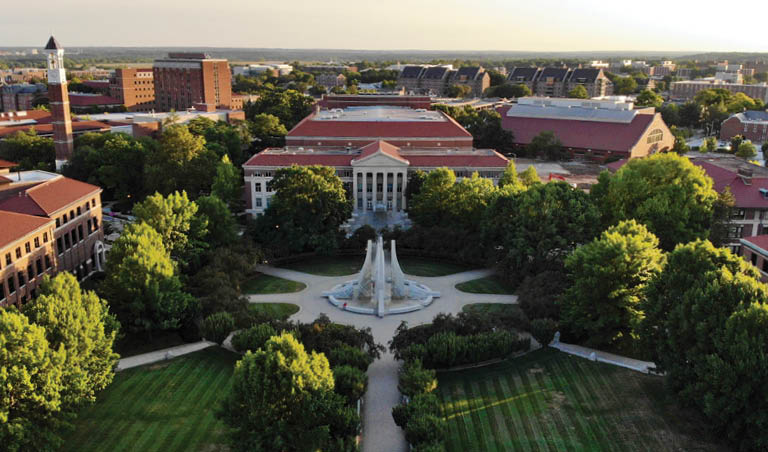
(29, 150)
(578, 92)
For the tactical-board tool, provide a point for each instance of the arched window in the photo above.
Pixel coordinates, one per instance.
(655, 136)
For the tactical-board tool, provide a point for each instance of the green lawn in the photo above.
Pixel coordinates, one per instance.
(550, 401)
(328, 265)
(498, 309)
(162, 407)
(137, 343)
(489, 285)
(274, 310)
(418, 266)
(266, 284)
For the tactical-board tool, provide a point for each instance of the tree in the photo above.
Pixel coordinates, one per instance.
(222, 228)
(732, 378)
(708, 145)
(415, 379)
(350, 382)
(175, 218)
(141, 283)
(223, 138)
(281, 399)
(169, 166)
(413, 187)
(578, 92)
(79, 323)
(290, 106)
(764, 149)
(268, 130)
(508, 91)
(670, 113)
(484, 125)
(309, 206)
(216, 327)
(667, 193)
(690, 115)
(547, 146)
(721, 217)
(29, 150)
(609, 275)
(509, 178)
(530, 177)
(539, 227)
(688, 303)
(30, 383)
(624, 85)
(228, 183)
(458, 91)
(648, 98)
(746, 150)
(432, 204)
(680, 146)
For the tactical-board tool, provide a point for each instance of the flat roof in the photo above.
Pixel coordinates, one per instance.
(379, 113)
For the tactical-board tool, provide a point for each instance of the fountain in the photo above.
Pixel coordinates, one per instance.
(374, 292)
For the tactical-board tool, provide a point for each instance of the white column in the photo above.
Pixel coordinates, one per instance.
(386, 188)
(405, 180)
(379, 177)
(354, 190)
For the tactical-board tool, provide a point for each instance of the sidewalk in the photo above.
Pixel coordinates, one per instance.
(603, 357)
(161, 355)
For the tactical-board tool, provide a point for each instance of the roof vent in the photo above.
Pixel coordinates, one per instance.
(764, 193)
(746, 175)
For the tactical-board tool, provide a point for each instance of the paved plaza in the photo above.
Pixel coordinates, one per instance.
(380, 434)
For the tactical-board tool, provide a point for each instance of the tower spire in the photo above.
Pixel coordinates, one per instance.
(59, 100)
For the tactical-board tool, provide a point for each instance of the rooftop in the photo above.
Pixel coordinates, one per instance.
(54, 192)
(14, 226)
(379, 113)
(573, 109)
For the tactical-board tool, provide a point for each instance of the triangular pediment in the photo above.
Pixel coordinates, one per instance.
(380, 153)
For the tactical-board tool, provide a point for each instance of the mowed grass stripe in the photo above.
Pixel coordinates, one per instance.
(511, 415)
(539, 399)
(486, 421)
(457, 434)
(499, 427)
(527, 407)
(554, 411)
(186, 386)
(596, 403)
(200, 430)
(478, 416)
(464, 416)
(580, 404)
(133, 433)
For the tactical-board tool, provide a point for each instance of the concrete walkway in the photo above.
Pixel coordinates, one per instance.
(604, 357)
(380, 434)
(162, 355)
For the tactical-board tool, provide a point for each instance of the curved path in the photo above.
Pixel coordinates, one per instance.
(380, 434)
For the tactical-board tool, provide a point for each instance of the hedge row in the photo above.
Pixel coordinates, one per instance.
(419, 414)
(447, 349)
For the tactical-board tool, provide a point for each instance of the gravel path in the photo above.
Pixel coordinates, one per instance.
(380, 434)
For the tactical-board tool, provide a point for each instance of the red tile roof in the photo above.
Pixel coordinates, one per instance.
(14, 226)
(308, 127)
(494, 160)
(602, 136)
(47, 197)
(761, 241)
(746, 196)
(88, 100)
(36, 115)
(384, 148)
(7, 164)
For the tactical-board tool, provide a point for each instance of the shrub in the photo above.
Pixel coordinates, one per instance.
(350, 382)
(447, 349)
(350, 356)
(426, 403)
(538, 295)
(253, 338)
(216, 327)
(543, 330)
(429, 447)
(426, 428)
(415, 379)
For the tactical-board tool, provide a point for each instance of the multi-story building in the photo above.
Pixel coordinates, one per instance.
(474, 77)
(372, 148)
(752, 125)
(48, 224)
(435, 80)
(330, 81)
(135, 88)
(20, 97)
(755, 250)
(589, 129)
(186, 80)
(410, 78)
(687, 90)
(557, 82)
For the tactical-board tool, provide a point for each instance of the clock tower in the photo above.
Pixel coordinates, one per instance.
(59, 100)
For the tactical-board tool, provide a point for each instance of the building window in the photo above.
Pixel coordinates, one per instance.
(30, 273)
(734, 232)
(8, 259)
(655, 136)
(37, 242)
(89, 226)
(78, 212)
(47, 262)
(71, 214)
(753, 259)
(18, 253)
(95, 224)
(58, 222)
(11, 285)
(67, 245)
(80, 231)
(45, 237)
(27, 248)
(258, 187)
(64, 219)
(20, 276)
(73, 233)
(87, 206)
(59, 246)
(258, 202)
(737, 214)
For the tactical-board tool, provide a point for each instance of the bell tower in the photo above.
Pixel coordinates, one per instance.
(59, 99)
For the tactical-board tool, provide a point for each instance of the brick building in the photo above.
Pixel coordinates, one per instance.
(372, 148)
(48, 224)
(330, 81)
(331, 101)
(21, 97)
(557, 82)
(589, 129)
(58, 96)
(135, 88)
(755, 250)
(186, 80)
(687, 90)
(435, 80)
(752, 125)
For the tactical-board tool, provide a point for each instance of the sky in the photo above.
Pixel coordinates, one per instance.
(513, 25)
